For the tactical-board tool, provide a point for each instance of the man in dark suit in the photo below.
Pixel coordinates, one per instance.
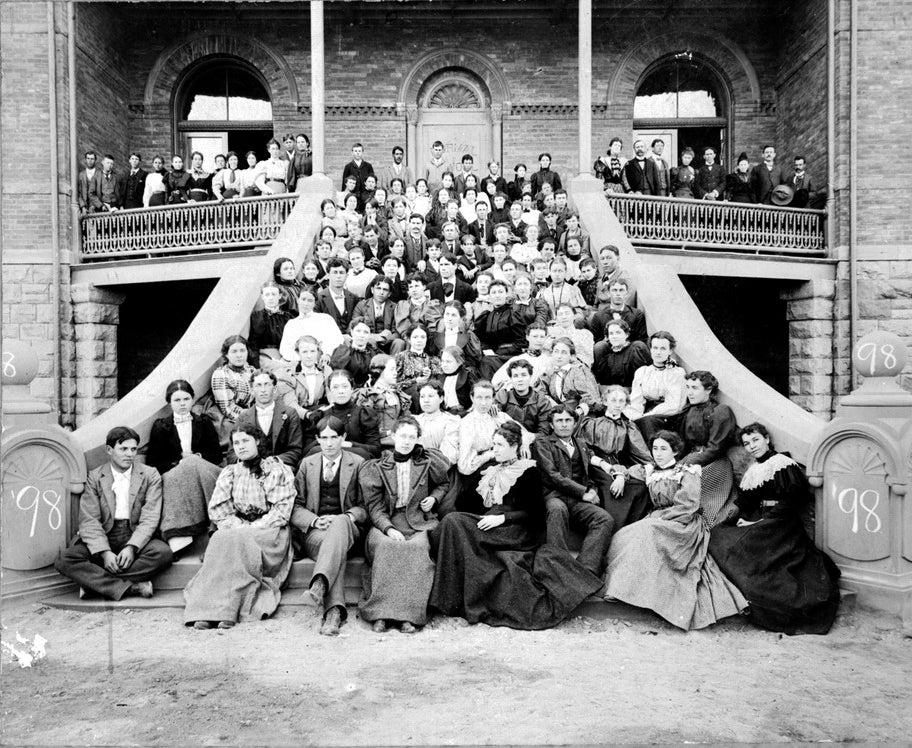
(618, 308)
(641, 177)
(571, 498)
(765, 176)
(807, 193)
(482, 228)
(450, 287)
(357, 168)
(135, 183)
(415, 242)
(710, 181)
(335, 300)
(280, 423)
(119, 513)
(327, 520)
(379, 313)
(87, 179)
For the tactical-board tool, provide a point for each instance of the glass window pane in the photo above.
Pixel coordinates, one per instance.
(206, 97)
(678, 88)
(247, 98)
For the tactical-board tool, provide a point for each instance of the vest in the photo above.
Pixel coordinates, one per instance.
(330, 500)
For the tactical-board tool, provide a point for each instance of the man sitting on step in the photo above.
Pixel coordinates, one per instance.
(119, 513)
(328, 519)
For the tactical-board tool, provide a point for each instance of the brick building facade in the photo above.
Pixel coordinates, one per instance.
(770, 58)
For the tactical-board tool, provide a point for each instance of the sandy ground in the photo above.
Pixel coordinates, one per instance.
(141, 678)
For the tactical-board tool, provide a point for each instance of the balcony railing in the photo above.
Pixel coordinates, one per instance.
(186, 228)
(706, 224)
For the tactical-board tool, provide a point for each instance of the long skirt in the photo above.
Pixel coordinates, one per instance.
(792, 587)
(400, 579)
(186, 490)
(631, 506)
(500, 578)
(717, 492)
(242, 575)
(661, 563)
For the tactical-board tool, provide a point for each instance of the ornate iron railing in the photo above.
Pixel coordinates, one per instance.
(707, 224)
(189, 227)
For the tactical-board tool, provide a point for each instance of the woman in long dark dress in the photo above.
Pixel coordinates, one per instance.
(488, 569)
(616, 445)
(709, 428)
(792, 587)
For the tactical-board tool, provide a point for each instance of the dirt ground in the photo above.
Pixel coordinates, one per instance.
(141, 678)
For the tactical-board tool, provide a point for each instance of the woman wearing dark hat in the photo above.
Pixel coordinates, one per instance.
(738, 184)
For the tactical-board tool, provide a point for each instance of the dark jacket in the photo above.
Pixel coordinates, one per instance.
(709, 179)
(555, 468)
(378, 325)
(534, 416)
(326, 305)
(763, 181)
(135, 186)
(358, 172)
(462, 291)
(633, 317)
(645, 180)
(164, 450)
(286, 439)
(380, 489)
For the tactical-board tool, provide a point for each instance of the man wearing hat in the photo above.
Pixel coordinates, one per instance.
(766, 176)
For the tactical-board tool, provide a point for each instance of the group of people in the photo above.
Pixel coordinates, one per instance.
(763, 183)
(478, 407)
(102, 188)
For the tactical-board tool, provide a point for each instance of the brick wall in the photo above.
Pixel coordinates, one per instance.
(883, 221)
(104, 91)
(371, 48)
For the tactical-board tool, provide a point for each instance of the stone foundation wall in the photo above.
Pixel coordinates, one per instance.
(812, 346)
(96, 314)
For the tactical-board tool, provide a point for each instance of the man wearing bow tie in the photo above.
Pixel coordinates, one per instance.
(807, 195)
(449, 287)
(395, 170)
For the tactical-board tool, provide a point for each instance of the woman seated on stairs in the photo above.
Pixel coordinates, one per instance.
(184, 448)
(249, 557)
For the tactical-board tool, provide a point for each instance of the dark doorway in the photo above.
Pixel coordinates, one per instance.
(699, 138)
(241, 141)
(749, 318)
(153, 318)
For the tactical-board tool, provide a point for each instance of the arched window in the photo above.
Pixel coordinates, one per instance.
(683, 99)
(222, 104)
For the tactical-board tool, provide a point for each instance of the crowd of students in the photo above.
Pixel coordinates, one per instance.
(455, 391)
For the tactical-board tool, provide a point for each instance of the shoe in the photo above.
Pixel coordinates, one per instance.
(332, 623)
(379, 626)
(313, 595)
(202, 625)
(141, 588)
(178, 544)
(408, 628)
(226, 624)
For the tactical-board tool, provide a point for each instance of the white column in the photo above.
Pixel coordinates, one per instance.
(585, 86)
(317, 93)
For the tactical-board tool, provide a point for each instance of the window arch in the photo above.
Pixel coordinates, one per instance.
(222, 103)
(684, 96)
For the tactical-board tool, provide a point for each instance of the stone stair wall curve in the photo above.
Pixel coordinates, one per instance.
(226, 312)
(669, 306)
